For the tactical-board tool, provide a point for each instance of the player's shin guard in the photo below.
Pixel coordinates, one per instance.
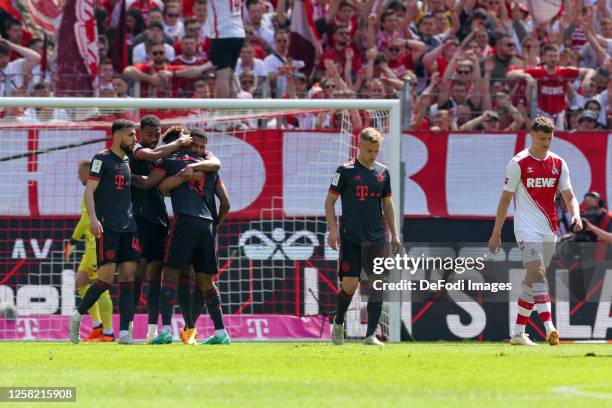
(153, 300)
(525, 307)
(126, 305)
(137, 291)
(542, 304)
(213, 304)
(374, 311)
(183, 291)
(93, 311)
(197, 304)
(342, 305)
(91, 297)
(167, 294)
(105, 304)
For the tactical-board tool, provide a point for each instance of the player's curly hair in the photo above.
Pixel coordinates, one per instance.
(371, 135)
(542, 124)
(172, 134)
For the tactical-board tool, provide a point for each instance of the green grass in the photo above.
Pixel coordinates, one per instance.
(315, 374)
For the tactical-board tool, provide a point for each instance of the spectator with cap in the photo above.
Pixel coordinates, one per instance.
(487, 122)
(587, 121)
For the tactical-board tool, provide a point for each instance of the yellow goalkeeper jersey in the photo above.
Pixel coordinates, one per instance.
(82, 228)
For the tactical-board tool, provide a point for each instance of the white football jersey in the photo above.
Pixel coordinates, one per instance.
(535, 183)
(225, 19)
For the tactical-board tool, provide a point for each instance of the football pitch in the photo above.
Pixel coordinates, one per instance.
(314, 374)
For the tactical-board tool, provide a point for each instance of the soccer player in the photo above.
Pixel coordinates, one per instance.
(111, 221)
(533, 177)
(195, 221)
(150, 212)
(102, 311)
(204, 285)
(364, 186)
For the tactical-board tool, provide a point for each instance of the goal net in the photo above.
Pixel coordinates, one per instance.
(278, 277)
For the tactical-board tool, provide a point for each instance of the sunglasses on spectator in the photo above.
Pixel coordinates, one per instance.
(173, 15)
(492, 119)
(158, 52)
(330, 86)
(464, 71)
(394, 49)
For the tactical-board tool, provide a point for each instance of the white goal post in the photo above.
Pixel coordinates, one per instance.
(391, 145)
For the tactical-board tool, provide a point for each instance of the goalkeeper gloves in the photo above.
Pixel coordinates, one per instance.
(69, 249)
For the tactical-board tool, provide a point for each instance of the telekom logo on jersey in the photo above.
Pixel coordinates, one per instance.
(537, 182)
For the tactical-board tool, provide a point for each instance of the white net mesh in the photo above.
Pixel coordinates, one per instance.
(273, 256)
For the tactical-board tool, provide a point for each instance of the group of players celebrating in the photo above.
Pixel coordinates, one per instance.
(130, 232)
(124, 203)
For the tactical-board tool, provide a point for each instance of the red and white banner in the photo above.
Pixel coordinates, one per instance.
(275, 173)
(77, 48)
(252, 327)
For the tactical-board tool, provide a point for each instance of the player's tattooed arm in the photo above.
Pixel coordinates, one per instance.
(147, 182)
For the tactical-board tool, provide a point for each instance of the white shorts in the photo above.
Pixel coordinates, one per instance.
(535, 245)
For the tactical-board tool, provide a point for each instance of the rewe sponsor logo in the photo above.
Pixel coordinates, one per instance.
(534, 182)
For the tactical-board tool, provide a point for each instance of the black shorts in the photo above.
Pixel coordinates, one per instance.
(117, 247)
(152, 238)
(191, 241)
(224, 52)
(356, 262)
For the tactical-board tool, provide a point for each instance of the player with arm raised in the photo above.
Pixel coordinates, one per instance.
(109, 206)
(533, 177)
(191, 238)
(150, 213)
(102, 311)
(364, 186)
(204, 285)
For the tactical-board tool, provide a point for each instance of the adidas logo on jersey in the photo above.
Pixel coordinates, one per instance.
(540, 182)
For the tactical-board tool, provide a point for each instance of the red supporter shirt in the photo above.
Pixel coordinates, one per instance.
(402, 64)
(148, 91)
(186, 85)
(552, 87)
(340, 57)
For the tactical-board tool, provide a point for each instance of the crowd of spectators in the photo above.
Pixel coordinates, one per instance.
(467, 64)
